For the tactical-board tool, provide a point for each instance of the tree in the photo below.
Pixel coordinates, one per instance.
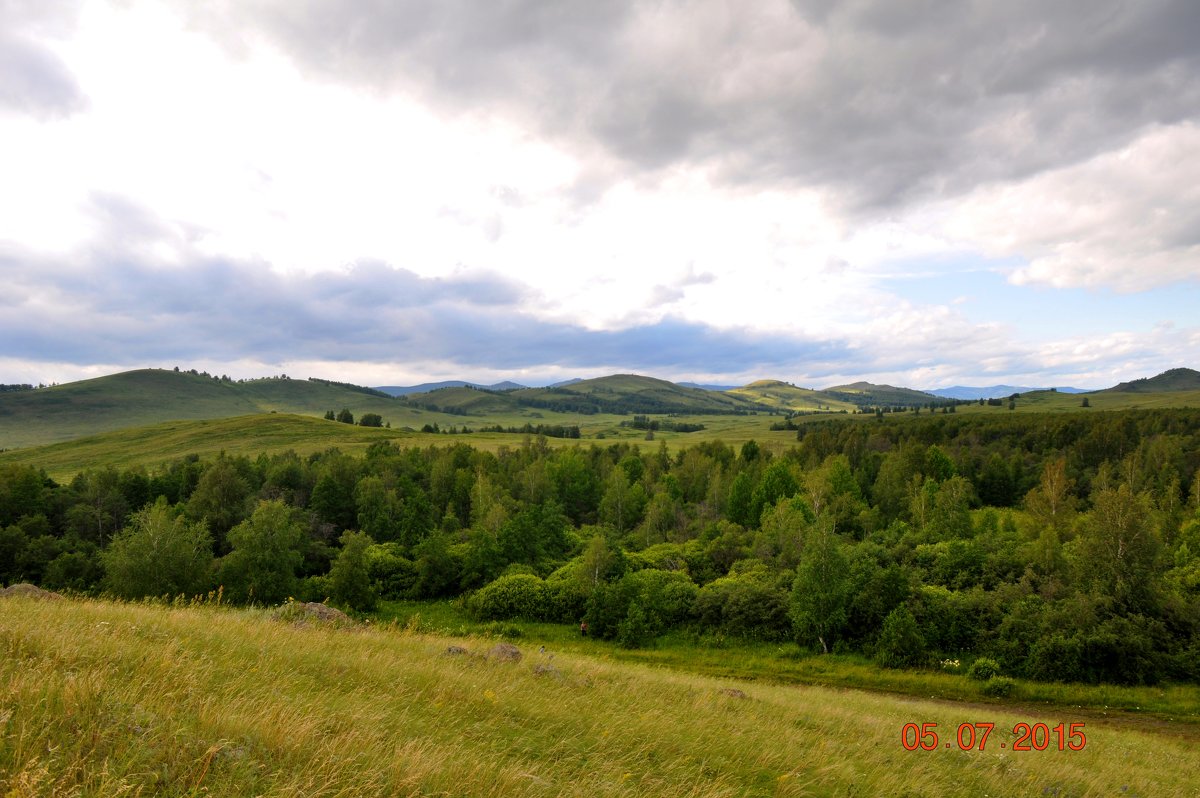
(329, 416)
(623, 504)
(900, 643)
(220, 498)
(349, 578)
(821, 590)
(370, 420)
(160, 553)
(1118, 548)
(345, 416)
(267, 550)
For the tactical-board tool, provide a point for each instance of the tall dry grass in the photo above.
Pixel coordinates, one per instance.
(103, 699)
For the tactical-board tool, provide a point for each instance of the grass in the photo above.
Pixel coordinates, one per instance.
(152, 445)
(786, 663)
(102, 699)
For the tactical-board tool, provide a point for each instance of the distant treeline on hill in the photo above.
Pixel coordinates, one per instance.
(15, 387)
(1059, 547)
(654, 425)
(352, 387)
(549, 430)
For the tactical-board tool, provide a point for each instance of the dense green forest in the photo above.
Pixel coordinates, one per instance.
(1048, 547)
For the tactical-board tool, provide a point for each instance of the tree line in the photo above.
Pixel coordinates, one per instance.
(1061, 547)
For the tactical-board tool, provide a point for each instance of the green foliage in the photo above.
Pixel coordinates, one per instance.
(745, 606)
(900, 643)
(514, 596)
(983, 668)
(392, 574)
(370, 420)
(998, 687)
(160, 553)
(345, 416)
(266, 552)
(350, 582)
(821, 591)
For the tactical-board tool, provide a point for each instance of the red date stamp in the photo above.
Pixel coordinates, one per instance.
(974, 737)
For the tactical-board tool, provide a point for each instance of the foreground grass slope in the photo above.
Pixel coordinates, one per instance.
(99, 699)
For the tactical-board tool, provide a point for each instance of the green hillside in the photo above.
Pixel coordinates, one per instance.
(149, 396)
(1172, 380)
(786, 396)
(466, 400)
(633, 393)
(868, 394)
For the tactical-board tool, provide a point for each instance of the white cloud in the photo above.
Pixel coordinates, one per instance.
(1127, 220)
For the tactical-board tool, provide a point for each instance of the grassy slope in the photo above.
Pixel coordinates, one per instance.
(155, 444)
(624, 387)
(866, 393)
(774, 393)
(148, 396)
(101, 699)
(1054, 402)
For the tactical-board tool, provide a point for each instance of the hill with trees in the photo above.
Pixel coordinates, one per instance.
(788, 397)
(625, 394)
(1180, 379)
(148, 396)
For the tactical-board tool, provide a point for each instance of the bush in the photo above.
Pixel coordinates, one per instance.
(983, 669)
(900, 643)
(513, 596)
(999, 687)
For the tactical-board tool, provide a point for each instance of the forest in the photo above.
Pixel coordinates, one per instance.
(1047, 547)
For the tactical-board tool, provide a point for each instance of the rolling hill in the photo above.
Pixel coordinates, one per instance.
(633, 393)
(785, 396)
(149, 396)
(992, 391)
(1180, 379)
(869, 394)
(426, 387)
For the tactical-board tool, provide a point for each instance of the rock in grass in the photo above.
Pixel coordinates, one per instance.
(457, 651)
(301, 612)
(505, 652)
(30, 591)
(733, 692)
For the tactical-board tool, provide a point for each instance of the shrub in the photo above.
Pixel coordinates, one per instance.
(512, 596)
(983, 669)
(900, 643)
(999, 687)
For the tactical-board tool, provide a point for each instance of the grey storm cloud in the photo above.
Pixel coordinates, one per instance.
(882, 103)
(121, 308)
(33, 79)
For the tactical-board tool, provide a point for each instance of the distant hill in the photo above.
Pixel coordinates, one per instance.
(866, 394)
(465, 400)
(707, 387)
(1180, 379)
(633, 393)
(149, 396)
(992, 391)
(426, 387)
(785, 396)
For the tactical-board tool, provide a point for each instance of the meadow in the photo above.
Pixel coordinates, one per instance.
(103, 699)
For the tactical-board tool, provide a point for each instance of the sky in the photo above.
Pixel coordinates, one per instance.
(390, 192)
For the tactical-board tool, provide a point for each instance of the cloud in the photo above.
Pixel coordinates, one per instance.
(882, 106)
(1127, 220)
(33, 79)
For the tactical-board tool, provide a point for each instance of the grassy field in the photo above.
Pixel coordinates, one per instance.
(151, 446)
(102, 699)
